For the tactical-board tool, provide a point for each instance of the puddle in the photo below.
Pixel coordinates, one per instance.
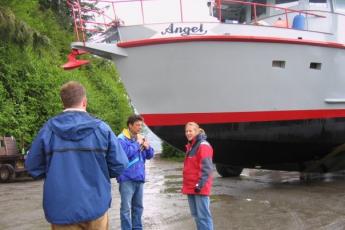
(221, 198)
(172, 190)
(173, 176)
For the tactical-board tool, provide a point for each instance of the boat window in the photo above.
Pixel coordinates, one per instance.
(339, 6)
(287, 3)
(278, 63)
(315, 65)
(260, 10)
(318, 3)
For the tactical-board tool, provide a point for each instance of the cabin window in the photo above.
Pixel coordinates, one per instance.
(339, 6)
(317, 1)
(261, 11)
(2, 143)
(315, 65)
(285, 4)
(286, 1)
(278, 63)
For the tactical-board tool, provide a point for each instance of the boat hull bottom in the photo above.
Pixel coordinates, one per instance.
(302, 145)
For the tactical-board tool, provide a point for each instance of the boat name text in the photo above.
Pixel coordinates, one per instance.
(184, 31)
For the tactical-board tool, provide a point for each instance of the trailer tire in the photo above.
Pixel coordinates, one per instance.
(228, 171)
(6, 172)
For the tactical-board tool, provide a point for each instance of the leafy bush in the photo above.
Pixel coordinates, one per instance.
(169, 151)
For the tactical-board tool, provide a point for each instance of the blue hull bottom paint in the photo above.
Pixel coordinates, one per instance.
(299, 145)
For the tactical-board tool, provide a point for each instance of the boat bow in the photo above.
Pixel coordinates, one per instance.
(105, 50)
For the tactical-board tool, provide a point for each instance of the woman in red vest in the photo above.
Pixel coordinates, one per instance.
(197, 175)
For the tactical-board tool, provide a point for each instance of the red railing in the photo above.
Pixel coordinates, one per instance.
(82, 13)
(254, 5)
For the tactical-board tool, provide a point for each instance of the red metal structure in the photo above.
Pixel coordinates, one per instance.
(73, 62)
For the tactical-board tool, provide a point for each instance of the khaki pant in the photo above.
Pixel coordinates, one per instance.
(98, 224)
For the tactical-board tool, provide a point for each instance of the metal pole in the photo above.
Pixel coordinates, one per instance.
(286, 19)
(220, 10)
(181, 11)
(255, 19)
(81, 22)
(142, 11)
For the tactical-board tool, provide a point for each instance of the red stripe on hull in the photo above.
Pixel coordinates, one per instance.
(228, 38)
(236, 117)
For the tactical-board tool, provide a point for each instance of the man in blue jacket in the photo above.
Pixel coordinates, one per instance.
(77, 154)
(131, 182)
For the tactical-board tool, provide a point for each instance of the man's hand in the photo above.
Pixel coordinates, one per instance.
(140, 139)
(146, 143)
(143, 142)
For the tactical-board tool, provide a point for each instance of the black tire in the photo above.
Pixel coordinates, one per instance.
(228, 171)
(6, 173)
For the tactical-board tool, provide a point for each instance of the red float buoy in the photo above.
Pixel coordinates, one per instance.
(73, 62)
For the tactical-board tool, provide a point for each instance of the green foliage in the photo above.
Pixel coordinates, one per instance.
(61, 10)
(7, 23)
(34, 47)
(17, 31)
(169, 151)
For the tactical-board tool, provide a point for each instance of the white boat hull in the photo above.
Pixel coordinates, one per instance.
(264, 101)
(212, 77)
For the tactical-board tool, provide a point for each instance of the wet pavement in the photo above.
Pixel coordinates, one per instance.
(258, 199)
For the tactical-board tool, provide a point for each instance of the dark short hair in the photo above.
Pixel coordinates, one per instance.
(133, 118)
(72, 94)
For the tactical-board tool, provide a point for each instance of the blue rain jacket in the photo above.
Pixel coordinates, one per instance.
(135, 170)
(77, 155)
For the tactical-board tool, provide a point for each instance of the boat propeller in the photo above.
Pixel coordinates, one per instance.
(73, 62)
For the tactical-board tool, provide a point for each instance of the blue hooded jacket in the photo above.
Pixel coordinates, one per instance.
(137, 156)
(77, 155)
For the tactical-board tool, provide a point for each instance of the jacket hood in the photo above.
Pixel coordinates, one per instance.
(194, 144)
(201, 137)
(73, 125)
(127, 134)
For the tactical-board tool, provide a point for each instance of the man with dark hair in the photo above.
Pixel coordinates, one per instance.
(77, 154)
(131, 181)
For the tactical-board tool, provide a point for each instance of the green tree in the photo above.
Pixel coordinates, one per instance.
(35, 45)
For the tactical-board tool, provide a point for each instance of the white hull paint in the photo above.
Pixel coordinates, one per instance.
(231, 77)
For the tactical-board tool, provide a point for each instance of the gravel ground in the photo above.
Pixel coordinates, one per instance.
(258, 199)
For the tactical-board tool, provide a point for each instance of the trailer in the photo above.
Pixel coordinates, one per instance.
(11, 161)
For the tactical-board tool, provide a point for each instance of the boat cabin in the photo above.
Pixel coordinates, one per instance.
(247, 11)
(313, 15)
(320, 16)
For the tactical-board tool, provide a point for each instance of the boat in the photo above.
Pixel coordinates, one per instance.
(264, 78)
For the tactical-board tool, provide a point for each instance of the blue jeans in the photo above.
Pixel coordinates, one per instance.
(200, 210)
(131, 204)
